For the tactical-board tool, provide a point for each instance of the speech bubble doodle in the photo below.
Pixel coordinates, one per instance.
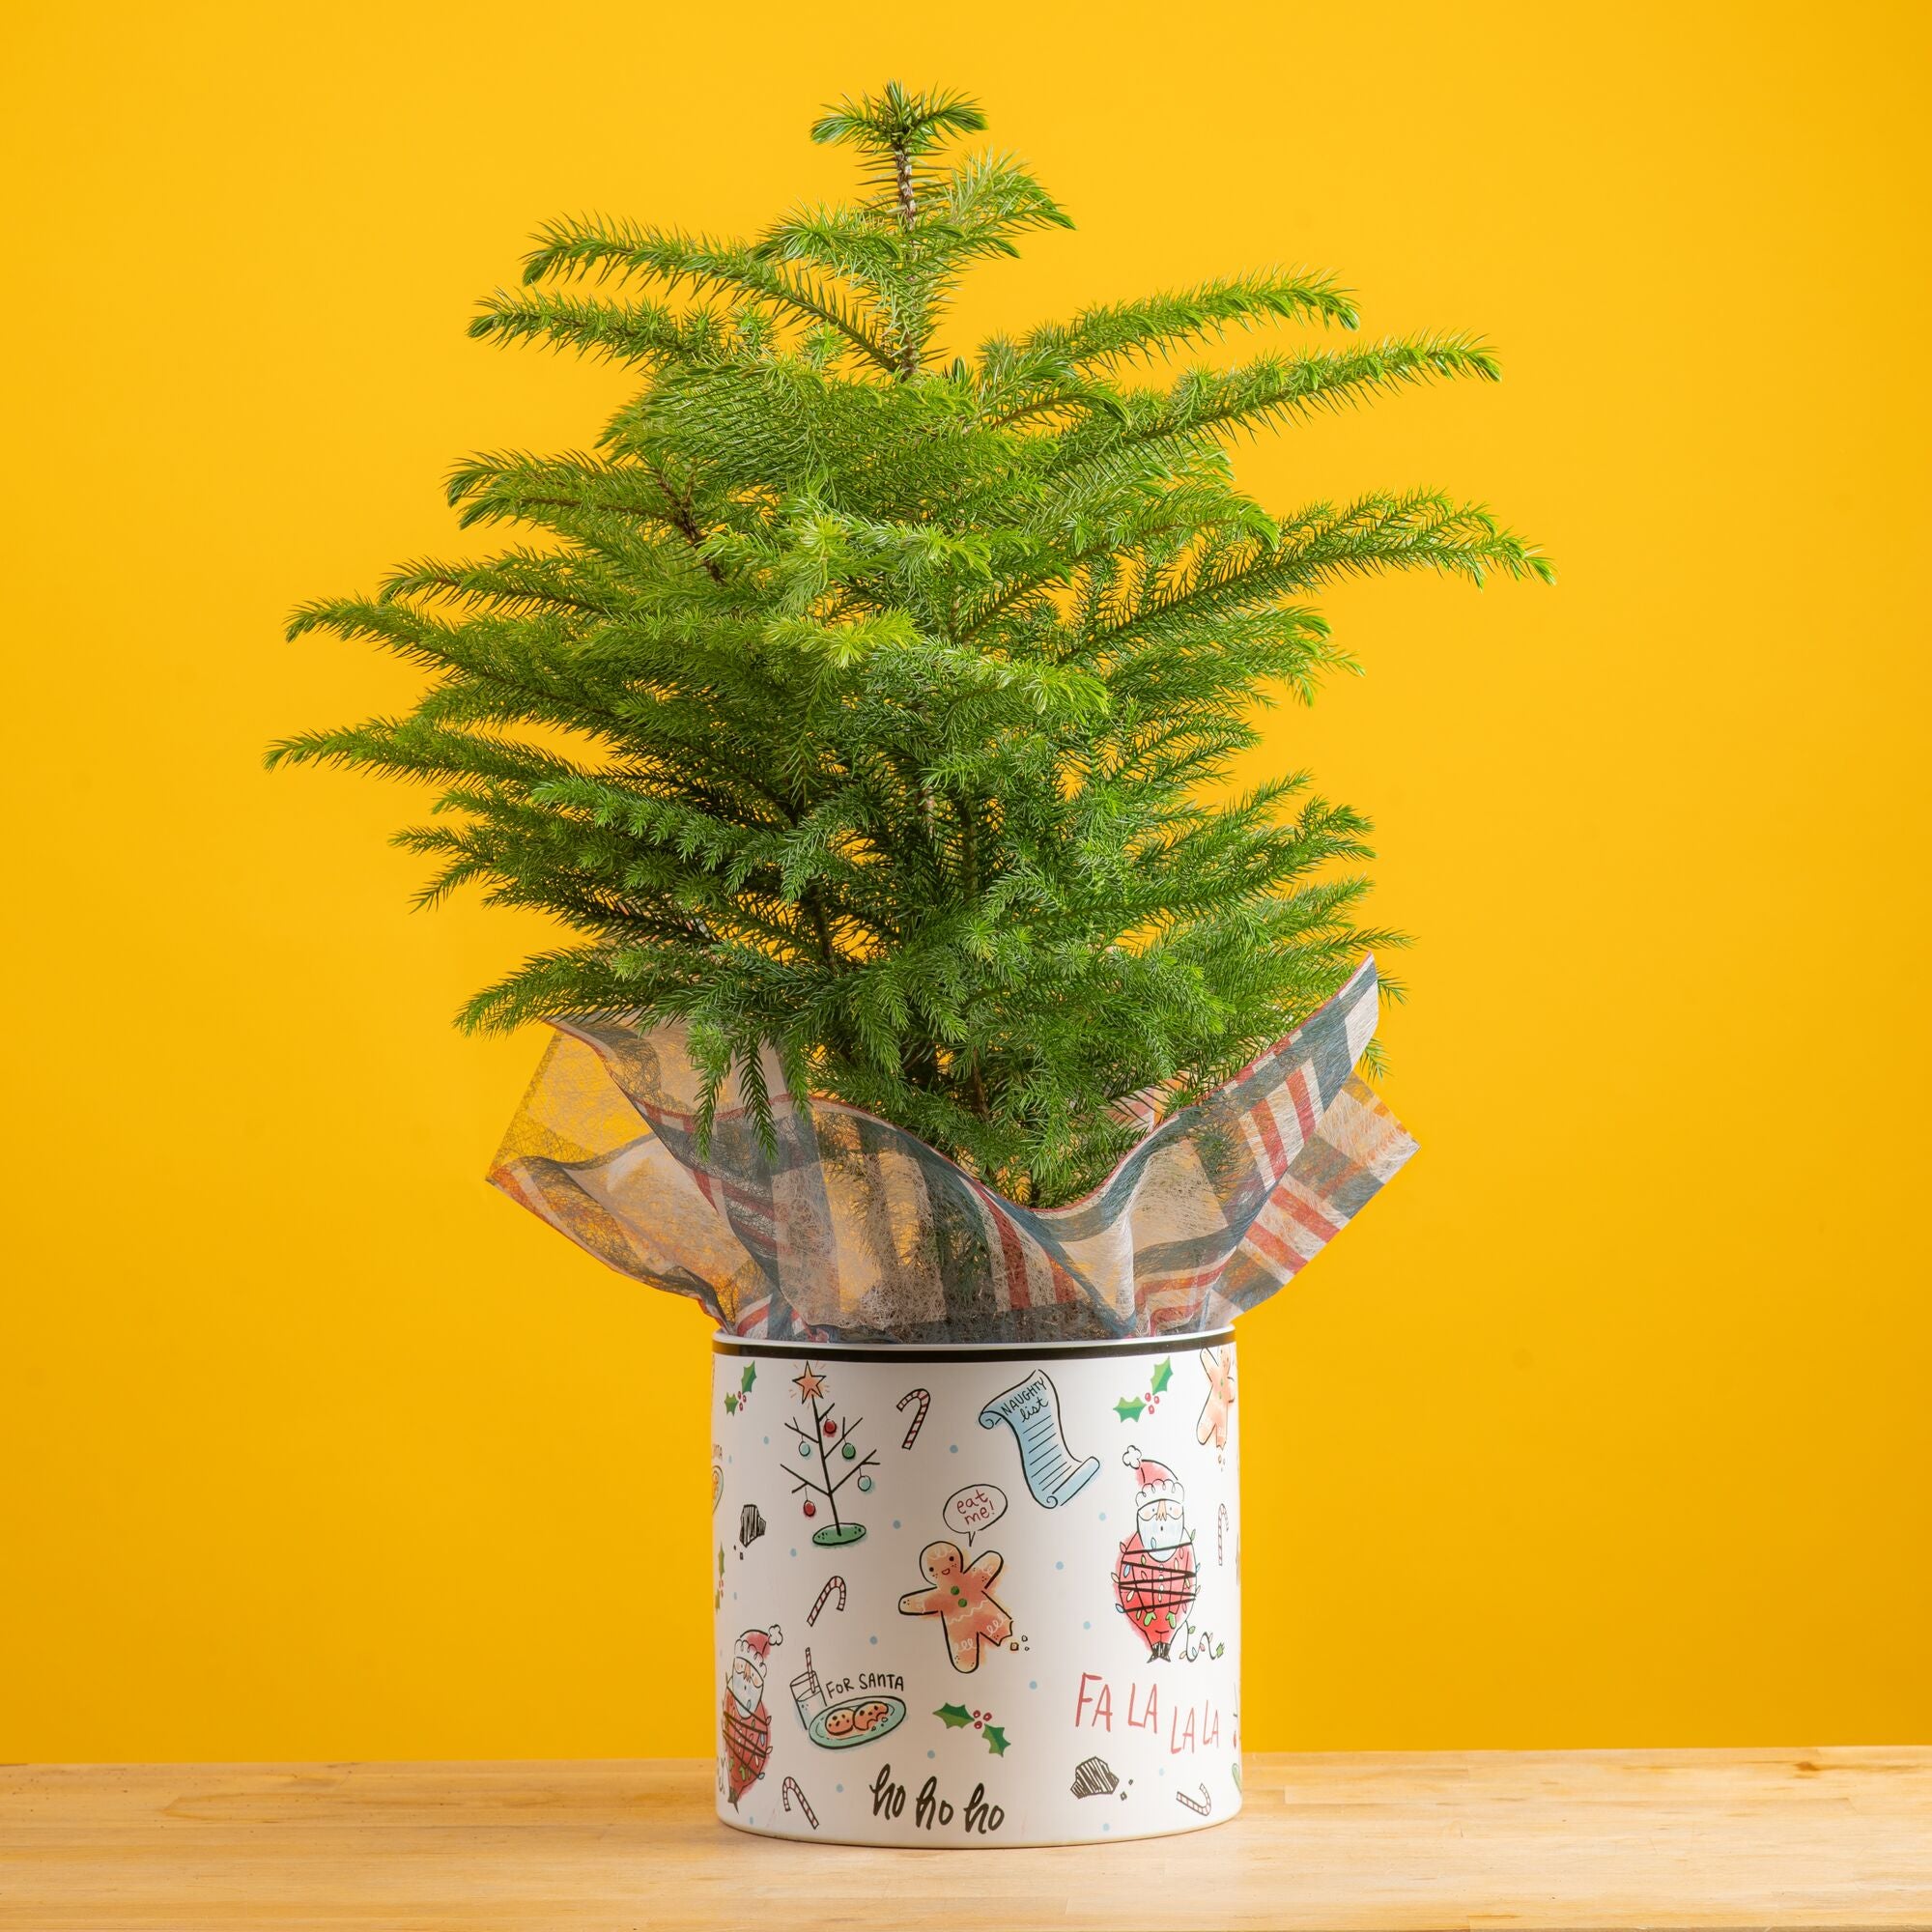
(978, 1506)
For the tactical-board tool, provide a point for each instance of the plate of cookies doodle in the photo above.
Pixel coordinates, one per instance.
(858, 1720)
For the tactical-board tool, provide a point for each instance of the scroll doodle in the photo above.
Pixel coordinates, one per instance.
(831, 1583)
(789, 1790)
(1203, 1804)
(1031, 1409)
(923, 1397)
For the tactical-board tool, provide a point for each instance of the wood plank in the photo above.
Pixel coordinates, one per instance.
(1793, 1838)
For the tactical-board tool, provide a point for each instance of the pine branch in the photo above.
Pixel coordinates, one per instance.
(711, 267)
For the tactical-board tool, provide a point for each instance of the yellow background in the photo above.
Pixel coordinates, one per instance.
(1606, 1424)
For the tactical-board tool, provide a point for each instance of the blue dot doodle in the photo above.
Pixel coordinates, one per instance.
(955, 1450)
(876, 1640)
(1059, 1565)
(794, 1552)
(933, 1753)
(897, 1524)
(1032, 1683)
(1086, 1627)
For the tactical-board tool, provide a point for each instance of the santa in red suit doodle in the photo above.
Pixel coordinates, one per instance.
(748, 1725)
(1155, 1579)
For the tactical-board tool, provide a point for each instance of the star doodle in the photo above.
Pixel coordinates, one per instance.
(809, 1385)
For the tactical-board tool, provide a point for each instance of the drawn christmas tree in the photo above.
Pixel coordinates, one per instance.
(828, 1459)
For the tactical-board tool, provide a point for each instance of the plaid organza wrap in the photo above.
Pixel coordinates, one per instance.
(856, 1230)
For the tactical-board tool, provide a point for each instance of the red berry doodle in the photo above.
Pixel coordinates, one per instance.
(831, 1583)
(923, 1397)
(789, 1790)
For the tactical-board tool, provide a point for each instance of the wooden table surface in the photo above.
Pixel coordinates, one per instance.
(1827, 1837)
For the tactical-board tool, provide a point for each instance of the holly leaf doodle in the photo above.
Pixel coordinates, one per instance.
(1161, 1377)
(1127, 1411)
(954, 1716)
(749, 1376)
(730, 1404)
(996, 1740)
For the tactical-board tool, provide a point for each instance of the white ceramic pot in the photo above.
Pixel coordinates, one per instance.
(977, 1596)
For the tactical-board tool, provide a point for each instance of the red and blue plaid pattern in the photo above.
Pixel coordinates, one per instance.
(856, 1230)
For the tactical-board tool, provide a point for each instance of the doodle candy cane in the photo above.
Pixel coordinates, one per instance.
(831, 1583)
(923, 1397)
(1202, 1805)
(789, 1790)
(1221, 1534)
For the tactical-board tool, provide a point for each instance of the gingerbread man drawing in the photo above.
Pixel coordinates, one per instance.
(1218, 1364)
(962, 1596)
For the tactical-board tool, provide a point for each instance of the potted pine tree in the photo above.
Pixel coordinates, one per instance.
(926, 1006)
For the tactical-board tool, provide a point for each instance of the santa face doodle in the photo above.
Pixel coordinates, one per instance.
(746, 1724)
(1154, 1581)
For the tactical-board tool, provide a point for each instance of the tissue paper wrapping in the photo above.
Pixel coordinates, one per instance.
(854, 1230)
